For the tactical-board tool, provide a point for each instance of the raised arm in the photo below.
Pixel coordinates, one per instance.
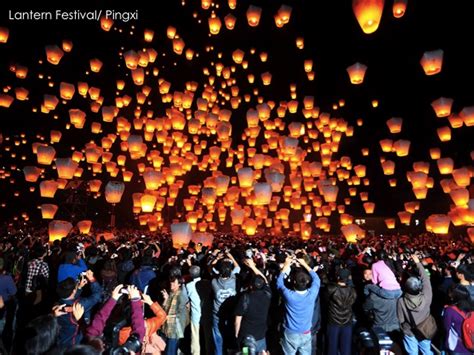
(251, 265)
(98, 323)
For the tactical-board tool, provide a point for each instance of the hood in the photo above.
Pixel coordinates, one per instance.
(413, 301)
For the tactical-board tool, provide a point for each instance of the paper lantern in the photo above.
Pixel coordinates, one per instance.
(442, 106)
(214, 24)
(66, 90)
(467, 115)
(181, 234)
(58, 230)
(369, 207)
(208, 196)
(4, 32)
(263, 193)
(388, 167)
(395, 125)
(250, 226)
(352, 233)
(66, 168)
(438, 224)
(432, 61)
(205, 239)
(357, 73)
(399, 7)
(48, 188)
(53, 54)
(94, 185)
(402, 147)
(84, 226)
(153, 179)
(390, 223)
(246, 177)
(229, 21)
(32, 173)
(48, 210)
(445, 165)
(238, 216)
(368, 13)
(147, 202)
(460, 197)
(405, 217)
(462, 177)
(329, 192)
(253, 15)
(114, 191)
(444, 134)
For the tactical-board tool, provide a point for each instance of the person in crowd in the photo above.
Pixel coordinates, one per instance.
(73, 265)
(7, 302)
(38, 270)
(144, 274)
(341, 297)
(225, 290)
(125, 266)
(109, 277)
(453, 317)
(465, 277)
(252, 309)
(414, 307)
(175, 306)
(69, 292)
(195, 304)
(299, 303)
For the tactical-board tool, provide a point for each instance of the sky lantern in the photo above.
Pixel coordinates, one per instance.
(369, 207)
(95, 65)
(352, 233)
(229, 21)
(444, 133)
(48, 210)
(263, 193)
(442, 106)
(67, 45)
(432, 61)
(147, 202)
(445, 165)
(48, 188)
(460, 197)
(66, 90)
(45, 154)
(402, 147)
(253, 15)
(32, 173)
(214, 24)
(178, 45)
(66, 168)
(390, 223)
(357, 73)
(388, 167)
(58, 230)
(181, 234)
(6, 100)
(94, 185)
(84, 226)
(405, 217)
(114, 191)
(4, 32)
(394, 124)
(106, 23)
(399, 7)
(438, 224)
(368, 13)
(283, 15)
(386, 145)
(467, 115)
(435, 153)
(54, 54)
(246, 177)
(462, 177)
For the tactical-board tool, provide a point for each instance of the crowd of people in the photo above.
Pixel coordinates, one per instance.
(136, 294)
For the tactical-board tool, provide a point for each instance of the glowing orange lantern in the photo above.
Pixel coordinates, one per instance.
(368, 14)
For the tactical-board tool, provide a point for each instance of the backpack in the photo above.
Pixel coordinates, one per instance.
(467, 328)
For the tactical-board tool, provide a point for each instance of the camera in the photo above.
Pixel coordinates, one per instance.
(132, 344)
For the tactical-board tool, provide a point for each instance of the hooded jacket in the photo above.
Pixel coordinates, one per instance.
(417, 305)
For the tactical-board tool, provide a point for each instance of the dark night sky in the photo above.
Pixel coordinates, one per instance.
(333, 40)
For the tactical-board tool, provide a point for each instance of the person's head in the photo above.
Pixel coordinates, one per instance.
(413, 285)
(367, 275)
(302, 281)
(39, 336)
(463, 273)
(175, 271)
(82, 349)
(343, 276)
(67, 288)
(110, 265)
(70, 257)
(174, 284)
(225, 269)
(194, 272)
(460, 297)
(38, 251)
(258, 282)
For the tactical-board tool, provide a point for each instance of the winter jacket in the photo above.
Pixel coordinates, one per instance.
(71, 270)
(69, 333)
(151, 324)
(383, 311)
(341, 299)
(417, 305)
